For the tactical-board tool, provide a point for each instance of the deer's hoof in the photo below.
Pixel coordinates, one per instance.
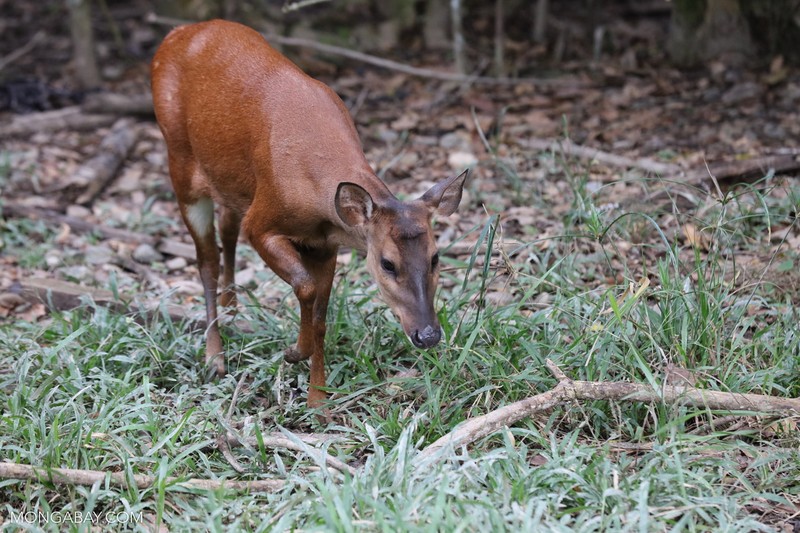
(293, 355)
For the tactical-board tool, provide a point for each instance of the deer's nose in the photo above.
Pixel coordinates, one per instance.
(426, 338)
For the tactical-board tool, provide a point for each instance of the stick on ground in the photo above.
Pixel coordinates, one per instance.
(71, 476)
(568, 390)
(592, 154)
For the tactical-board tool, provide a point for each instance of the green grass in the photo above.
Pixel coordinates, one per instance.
(96, 390)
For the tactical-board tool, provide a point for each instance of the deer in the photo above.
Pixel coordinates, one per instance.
(278, 154)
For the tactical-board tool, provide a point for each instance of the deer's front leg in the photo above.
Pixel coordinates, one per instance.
(321, 265)
(310, 273)
(281, 255)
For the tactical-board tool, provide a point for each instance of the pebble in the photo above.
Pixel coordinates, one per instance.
(78, 211)
(98, 255)
(146, 254)
(454, 140)
(53, 258)
(460, 160)
(176, 263)
(187, 287)
(77, 272)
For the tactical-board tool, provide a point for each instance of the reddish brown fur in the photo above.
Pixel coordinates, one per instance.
(272, 146)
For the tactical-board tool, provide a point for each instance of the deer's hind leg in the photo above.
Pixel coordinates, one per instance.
(197, 211)
(230, 222)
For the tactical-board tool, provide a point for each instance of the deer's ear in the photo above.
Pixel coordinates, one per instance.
(353, 204)
(445, 196)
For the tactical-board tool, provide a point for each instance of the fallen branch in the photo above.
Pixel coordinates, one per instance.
(59, 295)
(101, 169)
(388, 63)
(76, 224)
(568, 390)
(71, 476)
(592, 154)
(79, 225)
(296, 443)
(746, 169)
(734, 171)
(66, 118)
(118, 104)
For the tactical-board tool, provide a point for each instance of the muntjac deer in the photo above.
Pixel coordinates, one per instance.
(279, 154)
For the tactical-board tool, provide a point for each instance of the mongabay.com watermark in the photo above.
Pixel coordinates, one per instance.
(75, 517)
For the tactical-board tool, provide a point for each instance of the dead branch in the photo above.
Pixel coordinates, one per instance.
(300, 445)
(734, 171)
(63, 295)
(79, 225)
(118, 104)
(393, 65)
(66, 118)
(76, 224)
(747, 169)
(59, 295)
(101, 169)
(71, 476)
(568, 390)
(592, 154)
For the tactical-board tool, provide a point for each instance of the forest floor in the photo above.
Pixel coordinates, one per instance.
(667, 247)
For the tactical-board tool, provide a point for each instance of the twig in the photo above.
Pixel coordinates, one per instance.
(300, 4)
(71, 476)
(723, 423)
(592, 154)
(557, 372)
(235, 396)
(297, 442)
(567, 390)
(223, 442)
(392, 65)
(22, 50)
(225, 449)
(745, 169)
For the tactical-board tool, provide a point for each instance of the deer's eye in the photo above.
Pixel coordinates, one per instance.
(388, 266)
(434, 261)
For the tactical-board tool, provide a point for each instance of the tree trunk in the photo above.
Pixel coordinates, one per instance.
(80, 25)
(707, 30)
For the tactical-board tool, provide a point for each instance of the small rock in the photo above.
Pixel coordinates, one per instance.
(460, 160)
(78, 211)
(187, 287)
(76, 272)
(388, 136)
(454, 141)
(176, 263)
(53, 258)
(98, 255)
(742, 92)
(146, 254)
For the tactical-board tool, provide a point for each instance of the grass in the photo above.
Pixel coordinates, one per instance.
(97, 390)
